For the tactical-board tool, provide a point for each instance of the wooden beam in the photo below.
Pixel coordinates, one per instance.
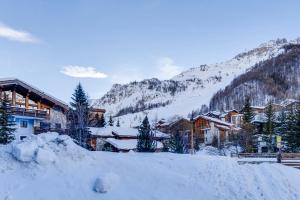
(39, 104)
(14, 97)
(27, 101)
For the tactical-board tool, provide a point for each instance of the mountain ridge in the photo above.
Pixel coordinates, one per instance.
(185, 92)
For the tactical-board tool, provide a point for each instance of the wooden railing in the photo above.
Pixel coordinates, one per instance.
(38, 130)
(29, 112)
(254, 155)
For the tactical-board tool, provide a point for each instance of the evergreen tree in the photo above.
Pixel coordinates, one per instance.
(79, 97)
(146, 142)
(6, 123)
(292, 137)
(289, 137)
(176, 143)
(102, 121)
(282, 126)
(269, 126)
(247, 110)
(111, 121)
(79, 116)
(246, 134)
(118, 123)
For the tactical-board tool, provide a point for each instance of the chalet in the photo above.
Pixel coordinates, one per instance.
(101, 136)
(117, 145)
(94, 114)
(209, 127)
(180, 125)
(33, 110)
(230, 116)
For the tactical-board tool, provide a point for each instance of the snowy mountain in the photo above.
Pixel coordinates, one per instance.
(275, 79)
(185, 92)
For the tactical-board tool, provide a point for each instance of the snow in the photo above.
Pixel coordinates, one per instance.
(105, 131)
(120, 131)
(77, 173)
(215, 120)
(106, 183)
(128, 144)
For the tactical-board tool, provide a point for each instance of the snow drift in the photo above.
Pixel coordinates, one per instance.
(72, 173)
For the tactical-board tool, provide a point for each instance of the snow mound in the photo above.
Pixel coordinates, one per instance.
(106, 183)
(43, 148)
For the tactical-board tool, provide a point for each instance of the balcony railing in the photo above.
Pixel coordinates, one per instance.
(29, 112)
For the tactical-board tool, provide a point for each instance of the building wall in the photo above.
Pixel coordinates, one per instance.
(57, 117)
(21, 131)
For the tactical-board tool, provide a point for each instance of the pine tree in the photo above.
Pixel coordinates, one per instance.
(118, 123)
(297, 129)
(289, 137)
(111, 121)
(246, 134)
(282, 126)
(146, 142)
(79, 116)
(102, 121)
(79, 97)
(269, 126)
(247, 110)
(6, 123)
(176, 143)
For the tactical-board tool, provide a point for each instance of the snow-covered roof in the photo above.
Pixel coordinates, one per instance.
(121, 131)
(218, 121)
(128, 144)
(105, 131)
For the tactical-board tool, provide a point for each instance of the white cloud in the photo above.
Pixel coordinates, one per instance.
(82, 72)
(16, 35)
(167, 68)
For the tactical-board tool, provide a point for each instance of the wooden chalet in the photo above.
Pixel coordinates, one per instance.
(208, 127)
(33, 110)
(100, 136)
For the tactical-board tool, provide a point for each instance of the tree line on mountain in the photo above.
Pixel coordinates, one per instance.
(276, 78)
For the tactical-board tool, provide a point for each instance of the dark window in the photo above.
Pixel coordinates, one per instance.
(24, 124)
(22, 137)
(58, 126)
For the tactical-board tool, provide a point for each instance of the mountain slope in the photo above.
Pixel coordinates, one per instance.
(185, 92)
(275, 79)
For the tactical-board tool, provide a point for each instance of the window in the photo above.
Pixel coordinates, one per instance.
(24, 124)
(22, 137)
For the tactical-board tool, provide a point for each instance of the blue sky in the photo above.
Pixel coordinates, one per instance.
(55, 44)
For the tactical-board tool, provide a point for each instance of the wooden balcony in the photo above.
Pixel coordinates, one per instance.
(30, 112)
(39, 130)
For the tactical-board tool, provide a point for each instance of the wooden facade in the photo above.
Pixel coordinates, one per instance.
(209, 127)
(33, 106)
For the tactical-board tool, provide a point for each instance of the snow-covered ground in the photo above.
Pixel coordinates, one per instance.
(73, 173)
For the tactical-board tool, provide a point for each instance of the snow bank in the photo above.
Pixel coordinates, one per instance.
(79, 174)
(106, 183)
(42, 148)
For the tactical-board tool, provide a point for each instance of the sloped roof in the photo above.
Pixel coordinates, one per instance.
(218, 121)
(15, 81)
